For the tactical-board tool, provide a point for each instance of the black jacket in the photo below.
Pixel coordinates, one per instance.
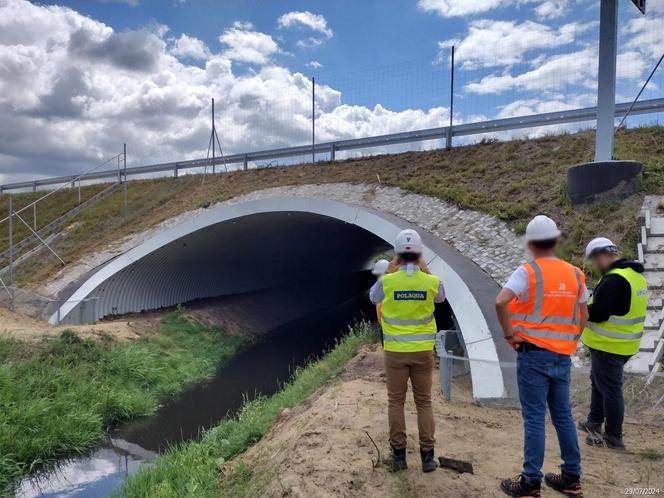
(613, 295)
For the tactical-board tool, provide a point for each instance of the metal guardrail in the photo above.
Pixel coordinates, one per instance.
(516, 123)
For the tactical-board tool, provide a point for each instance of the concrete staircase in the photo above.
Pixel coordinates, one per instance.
(651, 254)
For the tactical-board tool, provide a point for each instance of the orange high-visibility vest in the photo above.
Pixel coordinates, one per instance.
(550, 318)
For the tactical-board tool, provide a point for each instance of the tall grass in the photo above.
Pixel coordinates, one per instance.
(60, 399)
(190, 469)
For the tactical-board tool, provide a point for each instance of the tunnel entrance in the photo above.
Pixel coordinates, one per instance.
(284, 261)
(286, 256)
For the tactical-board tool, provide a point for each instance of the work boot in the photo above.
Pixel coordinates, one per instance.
(396, 460)
(428, 461)
(589, 427)
(567, 484)
(519, 486)
(606, 440)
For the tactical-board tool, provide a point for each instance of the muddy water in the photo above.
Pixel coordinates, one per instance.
(259, 370)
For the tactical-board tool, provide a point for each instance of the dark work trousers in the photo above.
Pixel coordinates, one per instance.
(606, 402)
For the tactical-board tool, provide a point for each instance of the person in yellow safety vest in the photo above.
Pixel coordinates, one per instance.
(617, 310)
(542, 310)
(408, 293)
(380, 269)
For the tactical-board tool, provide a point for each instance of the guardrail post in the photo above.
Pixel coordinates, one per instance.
(446, 364)
(245, 164)
(333, 150)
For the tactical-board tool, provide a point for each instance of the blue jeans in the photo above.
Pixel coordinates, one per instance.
(544, 379)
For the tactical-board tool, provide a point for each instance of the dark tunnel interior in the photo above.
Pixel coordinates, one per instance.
(265, 270)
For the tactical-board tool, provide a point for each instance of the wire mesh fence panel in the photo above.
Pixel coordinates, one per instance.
(269, 109)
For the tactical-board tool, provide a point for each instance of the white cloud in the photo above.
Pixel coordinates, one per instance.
(557, 72)
(133, 3)
(553, 74)
(645, 34)
(305, 19)
(315, 22)
(453, 8)
(314, 64)
(551, 9)
(248, 46)
(243, 25)
(188, 46)
(544, 9)
(501, 43)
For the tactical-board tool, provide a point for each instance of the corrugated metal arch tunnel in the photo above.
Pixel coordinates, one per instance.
(262, 244)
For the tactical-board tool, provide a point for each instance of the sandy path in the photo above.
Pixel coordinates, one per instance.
(320, 449)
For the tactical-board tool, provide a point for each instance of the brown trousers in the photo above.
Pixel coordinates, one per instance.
(418, 367)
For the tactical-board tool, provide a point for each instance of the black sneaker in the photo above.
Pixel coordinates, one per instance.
(396, 460)
(519, 486)
(606, 441)
(589, 427)
(428, 461)
(567, 484)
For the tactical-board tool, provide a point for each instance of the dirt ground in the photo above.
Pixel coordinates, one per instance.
(321, 449)
(18, 326)
(129, 327)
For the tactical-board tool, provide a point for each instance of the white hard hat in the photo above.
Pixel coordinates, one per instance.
(600, 244)
(542, 228)
(380, 267)
(408, 241)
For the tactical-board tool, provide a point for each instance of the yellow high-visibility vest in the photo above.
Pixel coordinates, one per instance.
(621, 334)
(407, 312)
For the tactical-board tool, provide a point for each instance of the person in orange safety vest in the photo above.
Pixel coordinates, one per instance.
(542, 310)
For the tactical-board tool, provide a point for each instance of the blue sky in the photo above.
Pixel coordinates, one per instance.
(86, 75)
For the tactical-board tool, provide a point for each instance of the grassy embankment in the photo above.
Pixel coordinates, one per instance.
(60, 398)
(511, 180)
(191, 468)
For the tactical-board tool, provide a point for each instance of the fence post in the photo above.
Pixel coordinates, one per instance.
(313, 120)
(11, 253)
(126, 200)
(79, 190)
(214, 153)
(448, 139)
(34, 216)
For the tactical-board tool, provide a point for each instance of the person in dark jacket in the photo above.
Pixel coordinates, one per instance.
(617, 313)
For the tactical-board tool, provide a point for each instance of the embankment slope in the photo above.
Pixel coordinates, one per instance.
(320, 448)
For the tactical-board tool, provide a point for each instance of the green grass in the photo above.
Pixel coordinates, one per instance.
(190, 469)
(59, 399)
